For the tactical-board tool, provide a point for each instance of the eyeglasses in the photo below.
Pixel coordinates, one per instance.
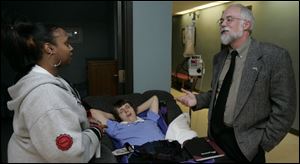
(228, 19)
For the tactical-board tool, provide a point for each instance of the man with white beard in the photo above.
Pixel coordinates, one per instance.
(252, 102)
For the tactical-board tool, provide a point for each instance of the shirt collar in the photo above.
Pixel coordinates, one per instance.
(241, 50)
(137, 120)
(244, 47)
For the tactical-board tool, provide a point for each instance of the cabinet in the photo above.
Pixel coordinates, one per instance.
(102, 77)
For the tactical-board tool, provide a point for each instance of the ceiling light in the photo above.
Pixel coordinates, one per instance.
(202, 7)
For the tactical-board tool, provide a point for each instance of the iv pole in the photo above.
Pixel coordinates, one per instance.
(191, 89)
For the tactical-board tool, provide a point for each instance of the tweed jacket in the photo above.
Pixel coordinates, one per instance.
(266, 102)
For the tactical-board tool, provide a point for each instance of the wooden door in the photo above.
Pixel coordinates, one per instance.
(102, 77)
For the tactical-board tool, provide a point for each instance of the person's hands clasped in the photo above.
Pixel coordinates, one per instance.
(96, 123)
(92, 117)
(189, 99)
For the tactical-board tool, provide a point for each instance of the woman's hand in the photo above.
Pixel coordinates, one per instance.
(96, 123)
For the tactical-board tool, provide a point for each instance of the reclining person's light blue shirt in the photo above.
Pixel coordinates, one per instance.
(138, 132)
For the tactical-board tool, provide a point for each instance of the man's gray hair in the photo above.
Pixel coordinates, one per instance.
(246, 14)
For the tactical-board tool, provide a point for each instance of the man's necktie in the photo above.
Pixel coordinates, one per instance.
(219, 108)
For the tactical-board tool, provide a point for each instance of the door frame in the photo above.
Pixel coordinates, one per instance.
(124, 45)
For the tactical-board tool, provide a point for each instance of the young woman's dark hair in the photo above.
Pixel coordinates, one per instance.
(22, 41)
(119, 104)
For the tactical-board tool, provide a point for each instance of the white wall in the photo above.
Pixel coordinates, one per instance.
(152, 29)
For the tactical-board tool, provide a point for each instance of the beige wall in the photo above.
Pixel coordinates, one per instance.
(276, 22)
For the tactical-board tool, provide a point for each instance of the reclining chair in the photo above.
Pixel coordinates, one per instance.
(168, 112)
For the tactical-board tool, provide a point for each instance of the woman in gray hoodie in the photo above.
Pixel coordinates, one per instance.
(50, 124)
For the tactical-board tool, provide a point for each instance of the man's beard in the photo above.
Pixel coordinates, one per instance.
(231, 36)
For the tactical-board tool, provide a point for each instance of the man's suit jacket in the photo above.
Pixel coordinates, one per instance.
(266, 102)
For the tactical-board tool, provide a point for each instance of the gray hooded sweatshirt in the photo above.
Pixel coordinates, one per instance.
(50, 124)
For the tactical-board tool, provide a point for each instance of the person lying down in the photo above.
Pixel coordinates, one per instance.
(125, 126)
